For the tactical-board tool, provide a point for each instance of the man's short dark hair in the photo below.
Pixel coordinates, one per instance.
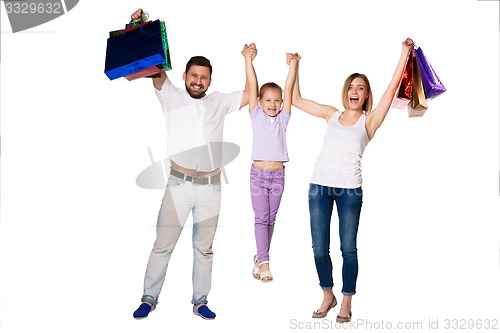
(199, 61)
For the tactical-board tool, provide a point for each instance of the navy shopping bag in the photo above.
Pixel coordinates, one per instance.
(134, 50)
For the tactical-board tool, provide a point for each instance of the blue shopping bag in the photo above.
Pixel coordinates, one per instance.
(134, 50)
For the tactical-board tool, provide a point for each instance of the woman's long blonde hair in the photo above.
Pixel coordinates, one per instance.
(368, 104)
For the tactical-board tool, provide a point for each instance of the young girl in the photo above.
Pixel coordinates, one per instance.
(269, 113)
(337, 177)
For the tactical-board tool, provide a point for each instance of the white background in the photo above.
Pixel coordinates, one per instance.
(76, 231)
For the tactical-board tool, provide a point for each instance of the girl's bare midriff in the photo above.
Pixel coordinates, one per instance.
(268, 165)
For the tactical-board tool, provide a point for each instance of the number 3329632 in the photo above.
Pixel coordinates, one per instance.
(33, 8)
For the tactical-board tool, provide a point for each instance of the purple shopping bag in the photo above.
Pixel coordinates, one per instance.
(432, 85)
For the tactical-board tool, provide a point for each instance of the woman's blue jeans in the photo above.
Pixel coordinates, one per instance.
(321, 202)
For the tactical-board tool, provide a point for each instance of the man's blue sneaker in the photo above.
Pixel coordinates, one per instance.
(143, 311)
(204, 312)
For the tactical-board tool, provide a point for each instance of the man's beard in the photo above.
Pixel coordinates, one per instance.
(195, 93)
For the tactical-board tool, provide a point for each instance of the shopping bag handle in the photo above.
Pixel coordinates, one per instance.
(144, 18)
(129, 26)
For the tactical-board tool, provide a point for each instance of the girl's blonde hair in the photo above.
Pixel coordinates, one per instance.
(269, 85)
